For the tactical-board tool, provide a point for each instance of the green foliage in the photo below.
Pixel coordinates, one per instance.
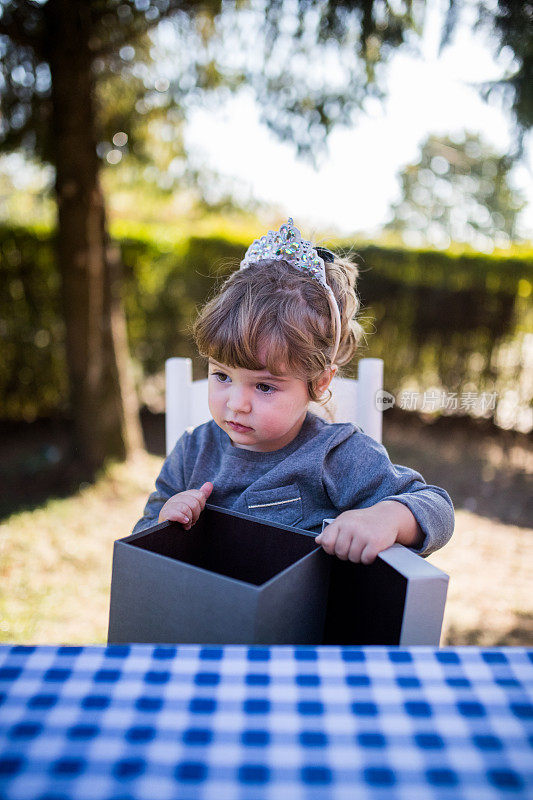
(450, 271)
(431, 311)
(457, 191)
(329, 50)
(163, 289)
(50, 56)
(32, 365)
(509, 24)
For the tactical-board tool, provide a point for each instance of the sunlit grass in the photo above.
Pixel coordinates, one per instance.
(56, 560)
(56, 567)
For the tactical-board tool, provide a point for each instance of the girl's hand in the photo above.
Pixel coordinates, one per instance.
(359, 535)
(186, 507)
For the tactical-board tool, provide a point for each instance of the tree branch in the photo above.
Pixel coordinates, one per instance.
(132, 33)
(116, 43)
(14, 32)
(97, 14)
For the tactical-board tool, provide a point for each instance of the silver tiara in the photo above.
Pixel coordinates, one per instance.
(287, 245)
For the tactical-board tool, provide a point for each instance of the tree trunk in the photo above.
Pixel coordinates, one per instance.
(103, 399)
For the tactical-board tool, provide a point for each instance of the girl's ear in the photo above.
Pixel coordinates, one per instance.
(325, 379)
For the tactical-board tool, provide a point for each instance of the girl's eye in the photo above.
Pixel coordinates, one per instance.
(264, 388)
(220, 376)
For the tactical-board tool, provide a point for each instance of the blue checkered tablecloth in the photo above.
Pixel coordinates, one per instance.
(146, 722)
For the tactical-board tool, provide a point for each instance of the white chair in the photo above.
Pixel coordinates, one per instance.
(352, 400)
(400, 598)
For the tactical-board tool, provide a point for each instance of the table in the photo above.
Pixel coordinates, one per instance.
(145, 722)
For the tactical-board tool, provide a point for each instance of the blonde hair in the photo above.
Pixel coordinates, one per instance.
(272, 304)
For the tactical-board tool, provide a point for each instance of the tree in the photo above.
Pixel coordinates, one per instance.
(310, 63)
(509, 24)
(53, 54)
(457, 191)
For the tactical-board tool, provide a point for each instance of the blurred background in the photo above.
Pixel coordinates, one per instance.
(144, 145)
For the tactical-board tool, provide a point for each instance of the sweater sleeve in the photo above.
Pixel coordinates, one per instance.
(358, 473)
(169, 482)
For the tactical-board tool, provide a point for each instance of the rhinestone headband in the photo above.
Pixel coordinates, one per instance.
(287, 245)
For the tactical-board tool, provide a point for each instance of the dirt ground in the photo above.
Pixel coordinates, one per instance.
(489, 476)
(488, 473)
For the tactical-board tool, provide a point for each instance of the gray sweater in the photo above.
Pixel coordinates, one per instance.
(328, 468)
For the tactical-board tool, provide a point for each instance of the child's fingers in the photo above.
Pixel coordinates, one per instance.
(181, 512)
(369, 555)
(342, 544)
(195, 504)
(195, 501)
(328, 538)
(345, 546)
(325, 534)
(357, 547)
(187, 506)
(197, 508)
(174, 515)
(186, 509)
(199, 499)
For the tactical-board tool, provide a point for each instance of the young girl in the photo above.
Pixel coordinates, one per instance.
(275, 336)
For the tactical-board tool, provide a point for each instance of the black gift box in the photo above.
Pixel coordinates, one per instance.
(231, 579)
(234, 578)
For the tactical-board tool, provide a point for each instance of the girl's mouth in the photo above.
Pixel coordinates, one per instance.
(239, 428)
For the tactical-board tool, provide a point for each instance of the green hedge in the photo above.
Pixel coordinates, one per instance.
(33, 378)
(452, 271)
(430, 310)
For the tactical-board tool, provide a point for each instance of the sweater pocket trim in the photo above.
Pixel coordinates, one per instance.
(282, 504)
(276, 503)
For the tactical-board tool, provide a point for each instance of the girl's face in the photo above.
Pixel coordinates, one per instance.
(257, 410)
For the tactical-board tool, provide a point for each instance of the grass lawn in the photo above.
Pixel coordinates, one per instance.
(56, 567)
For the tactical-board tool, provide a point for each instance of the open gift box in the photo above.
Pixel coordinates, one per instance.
(236, 579)
(231, 579)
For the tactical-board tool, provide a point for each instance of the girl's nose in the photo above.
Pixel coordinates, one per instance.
(239, 400)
